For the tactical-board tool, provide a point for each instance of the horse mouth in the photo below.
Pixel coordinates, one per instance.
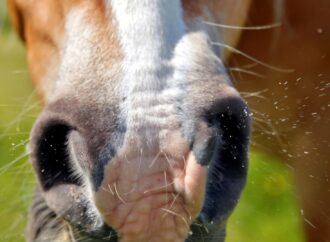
(151, 197)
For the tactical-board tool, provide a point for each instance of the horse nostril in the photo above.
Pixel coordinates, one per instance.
(234, 130)
(49, 152)
(225, 126)
(229, 120)
(61, 187)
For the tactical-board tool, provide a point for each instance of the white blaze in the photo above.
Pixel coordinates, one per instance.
(161, 57)
(149, 31)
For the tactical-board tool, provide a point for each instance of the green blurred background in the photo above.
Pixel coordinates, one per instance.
(267, 212)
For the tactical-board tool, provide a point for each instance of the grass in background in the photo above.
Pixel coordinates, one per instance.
(267, 211)
(16, 117)
(4, 21)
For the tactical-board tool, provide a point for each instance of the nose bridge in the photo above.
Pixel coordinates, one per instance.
(148, 41)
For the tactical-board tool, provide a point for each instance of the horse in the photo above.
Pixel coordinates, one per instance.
(143, 136)
(291, 106)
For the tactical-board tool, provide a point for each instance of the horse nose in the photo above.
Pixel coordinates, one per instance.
(219, 118)
(121, 170)
(224, 124)
(65, 123)
(59, 181)
(48, 147)
(218, 127)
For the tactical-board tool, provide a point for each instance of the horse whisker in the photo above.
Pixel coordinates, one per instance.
(117, 193)
(158, 188)
(235, 27)
(177, 215)
(236, 51)
(154, 160)
(252, 73)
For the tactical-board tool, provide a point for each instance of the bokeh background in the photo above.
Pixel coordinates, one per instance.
(268, 210)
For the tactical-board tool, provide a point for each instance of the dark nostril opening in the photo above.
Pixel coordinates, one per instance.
(230, 120)
(234, 134)
(50, 154)
(61, 187)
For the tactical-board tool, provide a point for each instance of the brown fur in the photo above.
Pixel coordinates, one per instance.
(297, 102)
(43, 33)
